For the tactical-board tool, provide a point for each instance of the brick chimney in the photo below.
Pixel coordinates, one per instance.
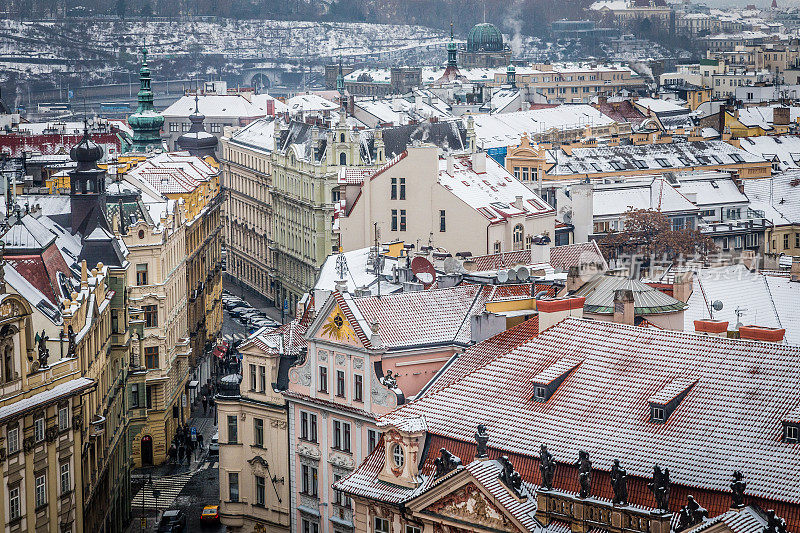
(574, 280)
(761, 333)
(780, 116)
(623, 306)
(682, 286)
(717, 328)
(795, 272)
(554, 310)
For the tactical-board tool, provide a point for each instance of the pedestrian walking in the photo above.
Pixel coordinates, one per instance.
(200, 440)
(205, 404)
(180, 454)
(211, 405)
(173, 451)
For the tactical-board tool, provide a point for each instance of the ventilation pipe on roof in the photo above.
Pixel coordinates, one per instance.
(624, 311)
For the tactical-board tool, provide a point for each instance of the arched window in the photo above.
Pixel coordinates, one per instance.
(341, 138)
(343, 158)
(398, 456)
(518, 236)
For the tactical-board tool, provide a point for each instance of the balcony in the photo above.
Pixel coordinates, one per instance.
(97, 427)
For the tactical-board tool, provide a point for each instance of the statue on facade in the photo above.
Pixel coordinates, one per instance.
(619, 482)
(511, 477)
(660, 487)
(72, 349)
(737, 490)
(691, 514)
(482, 440)
(44, 351)
(584, 474)
(445, 463)
(389, 380)
(547, 468)
(775, 524)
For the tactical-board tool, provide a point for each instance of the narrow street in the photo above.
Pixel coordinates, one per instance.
(188, 488)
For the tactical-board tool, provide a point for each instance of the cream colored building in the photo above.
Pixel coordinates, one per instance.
(254, 442)
(247, 208)
(158, 290)
(458, 203)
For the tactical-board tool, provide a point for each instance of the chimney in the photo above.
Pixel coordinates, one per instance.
(341, 286)
(780, 116)
(479, 162)
(84, 275)
(717, 328)
(623, 306)
(375, 337)
(574, 280)
(795, 272)
(582, 195)
(554, 310)
(682, 286)
(761, 333)
(486, 325)
(450, 165)
(518, 203)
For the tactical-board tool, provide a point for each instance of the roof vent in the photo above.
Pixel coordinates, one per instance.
(664, 402)
(546, 382)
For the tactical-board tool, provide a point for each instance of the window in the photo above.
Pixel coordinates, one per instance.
(413, 529)
(151, 356)
(260, 490)
(381, 525)
(540, 392)
(252, 377)
(751, 240)
(309, 480)
(38, 429)
(785, 241)
(393, 195)
(343, 159)
(40, 492)
(174, 127)
(516, 172)
(323, 379)
(524, 173)
(340, 383)
(790, 433)
(13, 503)
(402, 188)
(358, 388)
(308, 426)
(341, 436)
(442, 221)
(233, 486)
(372, 440)
(148, 392)
(640, 163)
(262, 378)
(309, 526)
(725, 243)
(66, 484)
(398, 456)
(738, 242)
(185, 127)
(141, 274)
(258, 430)
(63, 418)
(12, 435)
(394, 219)
(402, 220)
(115, 321)
(656, 414)
(797, 240)
(233, 430)
(150, 316)
(497, 247)
(216, 127)
(518, 236)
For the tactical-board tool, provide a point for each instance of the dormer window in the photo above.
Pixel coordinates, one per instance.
(791, 433)
(546, 382)
(664, 402)
(398, 456)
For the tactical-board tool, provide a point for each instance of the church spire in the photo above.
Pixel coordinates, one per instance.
(146, 123)
(452, 49)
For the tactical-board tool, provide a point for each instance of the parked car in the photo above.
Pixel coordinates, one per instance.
(210, 513)
(237, 312)
(213, 446)
(172, 521)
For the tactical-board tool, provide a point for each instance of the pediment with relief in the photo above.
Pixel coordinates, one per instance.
(337, 328)
(469, 504)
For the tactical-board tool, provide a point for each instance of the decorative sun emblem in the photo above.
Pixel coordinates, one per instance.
(338, 328)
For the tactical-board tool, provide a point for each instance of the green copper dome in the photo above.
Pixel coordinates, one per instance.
(146, 122)
(484, 37)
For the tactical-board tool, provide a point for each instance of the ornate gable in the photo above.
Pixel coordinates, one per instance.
(469, 505)
(337, 328)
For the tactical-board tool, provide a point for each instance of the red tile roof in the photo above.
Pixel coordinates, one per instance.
(41, 271)
(568, 255)
(729, 420)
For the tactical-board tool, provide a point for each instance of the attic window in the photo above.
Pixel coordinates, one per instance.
(717, 159)
(737, 158)
(791, 433)
(663, 162)
(616, 165)
(597, 167)
(546, 382)
(640, 163)
(664, 402)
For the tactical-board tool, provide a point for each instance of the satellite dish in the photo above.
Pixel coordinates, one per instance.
(512, 274)
(717, 305)
(502, 276)
(523, 273)
(450, 265)
(424, 271)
